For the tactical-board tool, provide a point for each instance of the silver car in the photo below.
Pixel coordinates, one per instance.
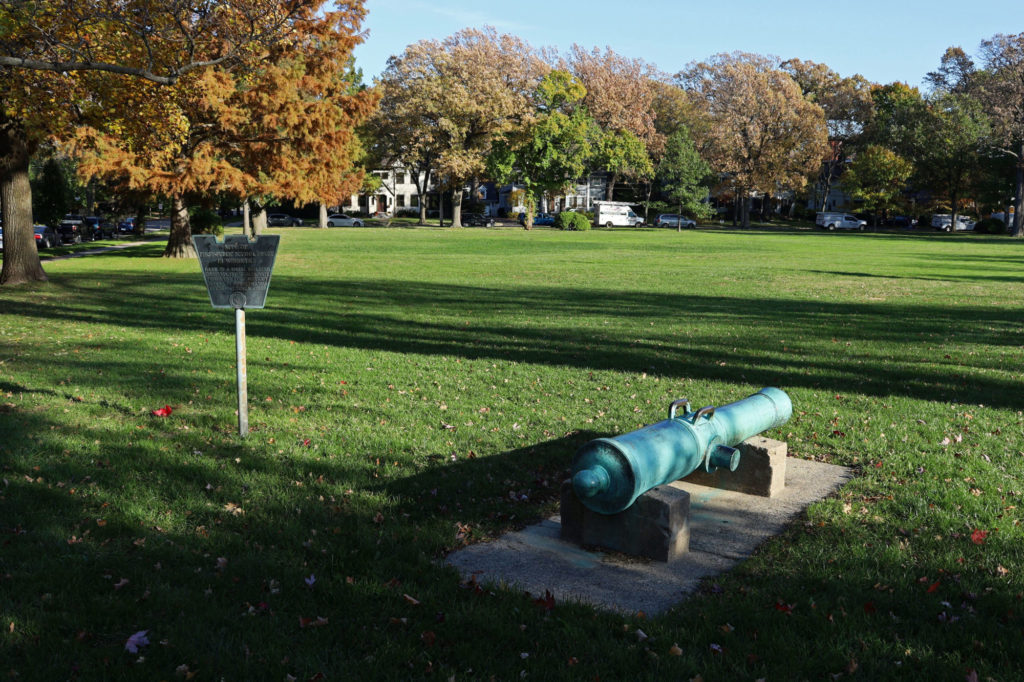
(674, 220)
(342, 220)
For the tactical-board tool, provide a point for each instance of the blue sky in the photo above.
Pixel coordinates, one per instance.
(882, 40)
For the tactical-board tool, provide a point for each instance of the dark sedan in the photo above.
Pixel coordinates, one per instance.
(46, 237)
(73, 230)
(282, 220)
(477, 220)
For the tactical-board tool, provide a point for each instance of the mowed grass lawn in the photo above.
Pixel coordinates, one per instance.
(415, 390)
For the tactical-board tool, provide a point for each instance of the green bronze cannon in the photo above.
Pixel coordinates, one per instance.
(608, 474)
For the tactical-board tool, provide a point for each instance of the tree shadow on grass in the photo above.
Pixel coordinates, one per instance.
(875, 349)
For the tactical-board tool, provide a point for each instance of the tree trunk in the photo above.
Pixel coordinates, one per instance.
(421, 192)
(745, 204)
(259, 222)
(1018, 209)
(610, 187)
(322, 220)
(21, 259)
(140, 220)
(457, 207)
(246, 218)
(179, 243)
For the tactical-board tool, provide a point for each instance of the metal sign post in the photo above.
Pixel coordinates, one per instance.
(243, 379)
(237, 274)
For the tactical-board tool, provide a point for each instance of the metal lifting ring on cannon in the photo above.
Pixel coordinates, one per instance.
(610, 473)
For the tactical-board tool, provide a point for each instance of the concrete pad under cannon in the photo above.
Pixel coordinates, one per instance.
(725, 528)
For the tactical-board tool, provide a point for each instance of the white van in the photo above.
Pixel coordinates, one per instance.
(608, 213)
(944, 222)
(839, 221)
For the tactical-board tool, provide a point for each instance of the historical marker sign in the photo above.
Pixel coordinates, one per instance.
(237, 271)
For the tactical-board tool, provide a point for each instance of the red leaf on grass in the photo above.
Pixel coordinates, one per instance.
(783, 607)
(934, 587)
(978, 536)
(869, 607)
(164, 411)
(547, 602)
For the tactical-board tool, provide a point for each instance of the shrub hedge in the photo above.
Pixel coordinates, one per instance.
(569, 220)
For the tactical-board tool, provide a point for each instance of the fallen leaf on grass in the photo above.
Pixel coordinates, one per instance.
(234, 509)
(317, 622)
(674, 650)
(121, 583)
(137, 640)
(164, 411)
(412, 600)
(978, 536)
(547, 602)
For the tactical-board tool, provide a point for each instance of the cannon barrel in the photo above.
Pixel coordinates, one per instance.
(608, 474)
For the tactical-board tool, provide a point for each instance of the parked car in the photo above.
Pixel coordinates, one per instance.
(101, 228)
(944, 222)
(539, 219)
(477, 220)
(903, 221)
(342, 220)
(46, 237)
(283, 220)
(126, 226)
(839, 221)
(73, 230)
(674, 220)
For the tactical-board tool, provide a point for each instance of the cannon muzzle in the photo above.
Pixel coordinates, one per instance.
(608, 474)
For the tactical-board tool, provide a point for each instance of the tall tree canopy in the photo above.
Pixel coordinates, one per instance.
(766, 136)
(551, 153)
(158, 41)
(847, 105)
(878, 177)
(59, 60)
(621, 95)
(1002, 92)
(684, 175)
(283, 128)
(456, 97)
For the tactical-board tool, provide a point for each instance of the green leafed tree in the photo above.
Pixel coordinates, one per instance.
(684, 175)
(52, 193)
(623, 155)
(878, 177)
(552, 152)
(957, 134)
